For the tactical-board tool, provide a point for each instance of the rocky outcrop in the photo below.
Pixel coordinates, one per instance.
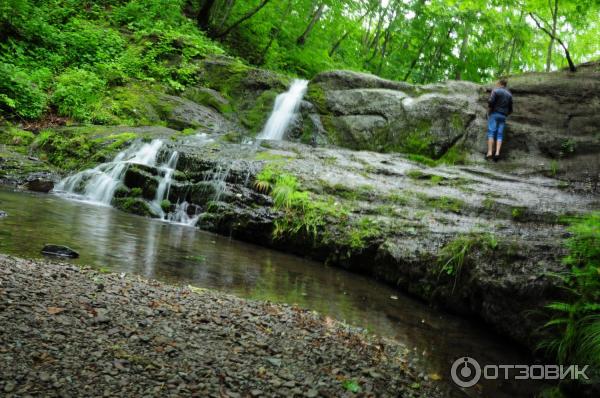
(553, 131)
(398, 221)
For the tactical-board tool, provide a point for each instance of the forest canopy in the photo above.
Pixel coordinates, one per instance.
(416, 40)
(67, 54)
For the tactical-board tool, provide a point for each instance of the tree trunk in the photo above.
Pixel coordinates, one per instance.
(572, 66)
(203, 17)
(463, 50)
(336, 45)
(315, 18)
(228, 7)
(419, 52)
(245, 17)
(551, 45)
(275, 30)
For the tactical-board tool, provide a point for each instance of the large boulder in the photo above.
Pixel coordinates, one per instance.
(361, 111)
(555, 128)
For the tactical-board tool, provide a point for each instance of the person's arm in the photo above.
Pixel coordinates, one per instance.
(491, 102)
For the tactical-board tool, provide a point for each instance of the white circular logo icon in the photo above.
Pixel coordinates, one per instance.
(465, 372)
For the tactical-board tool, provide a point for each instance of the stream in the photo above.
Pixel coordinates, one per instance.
(114, 241)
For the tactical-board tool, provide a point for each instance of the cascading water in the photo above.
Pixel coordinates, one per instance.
(98, 185)
(285, 111)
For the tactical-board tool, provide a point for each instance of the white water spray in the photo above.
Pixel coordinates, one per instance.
(285, 111)
(99, 184)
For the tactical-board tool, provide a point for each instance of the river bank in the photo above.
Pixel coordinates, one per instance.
(114, 334)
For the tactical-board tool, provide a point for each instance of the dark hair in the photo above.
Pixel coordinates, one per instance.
(503, 82)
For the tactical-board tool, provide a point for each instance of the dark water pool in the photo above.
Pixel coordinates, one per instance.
(116, 241)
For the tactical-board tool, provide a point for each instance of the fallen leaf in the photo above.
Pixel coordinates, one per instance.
(54, 310)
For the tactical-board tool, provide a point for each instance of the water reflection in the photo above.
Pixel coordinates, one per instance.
(179, 254)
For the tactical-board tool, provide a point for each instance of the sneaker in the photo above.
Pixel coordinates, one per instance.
(496, 158)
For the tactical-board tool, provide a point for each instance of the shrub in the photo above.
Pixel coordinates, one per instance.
(77, 93)
(577, 322)
(22, 92)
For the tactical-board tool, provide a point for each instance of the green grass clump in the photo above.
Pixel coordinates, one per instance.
(302, 213)
(576, 322)
(454, 255)
(360, 233)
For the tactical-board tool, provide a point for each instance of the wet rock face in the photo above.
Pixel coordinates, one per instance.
(40, 182)
(554, 129)
(397, 220)
(360, 111)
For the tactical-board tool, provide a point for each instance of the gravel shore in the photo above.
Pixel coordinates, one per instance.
(70, 331)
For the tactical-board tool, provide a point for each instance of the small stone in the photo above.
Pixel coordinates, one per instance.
(274, 361)
(256, 393)
(9, 386)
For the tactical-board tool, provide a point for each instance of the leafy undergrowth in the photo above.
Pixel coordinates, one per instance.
(310, 215)
(71, 149)
(69, 58)
(576, 322)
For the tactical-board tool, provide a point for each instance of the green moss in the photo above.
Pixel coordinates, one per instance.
(361, 232)
(415, 174)
(134, 206)
(316, 95)
(267, 155)
(135, 104)
(518, 213)
(255, 117)
(443, 203)
(209, 99)
(15, 137)
(165, 205)
(135, 192)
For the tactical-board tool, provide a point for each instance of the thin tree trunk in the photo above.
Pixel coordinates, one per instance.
(463, 50)
(551, 45)
(203, 17)
(228, 7)
(244, 18)
(315, 18)
(336, 45)
(419, 52)
(572, 66)
(275, 30)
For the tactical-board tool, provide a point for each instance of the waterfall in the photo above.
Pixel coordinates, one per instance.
(162, 192)
(284, 111)
(99, 184)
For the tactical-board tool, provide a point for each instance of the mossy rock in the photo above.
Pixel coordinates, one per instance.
(133, 206)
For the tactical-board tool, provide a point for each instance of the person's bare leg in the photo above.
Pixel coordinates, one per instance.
(490, 151)
(498, 147)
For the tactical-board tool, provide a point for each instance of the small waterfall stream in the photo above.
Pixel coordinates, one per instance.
(285, 111)
(98, 185)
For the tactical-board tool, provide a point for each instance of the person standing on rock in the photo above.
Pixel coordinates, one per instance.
(500, 105)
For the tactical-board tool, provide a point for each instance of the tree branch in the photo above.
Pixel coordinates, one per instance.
(572, 66)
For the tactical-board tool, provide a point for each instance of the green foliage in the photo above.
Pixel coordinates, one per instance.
(351, 385)
(67, 53)
(22, 91)
(302, 214)
(359, 233)
(454, 255)
(517, 213)
(77, 93)
(577, 322)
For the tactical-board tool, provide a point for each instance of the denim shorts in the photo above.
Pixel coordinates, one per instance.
(496, 123)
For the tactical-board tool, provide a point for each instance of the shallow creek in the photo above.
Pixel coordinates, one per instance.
(111, 240)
